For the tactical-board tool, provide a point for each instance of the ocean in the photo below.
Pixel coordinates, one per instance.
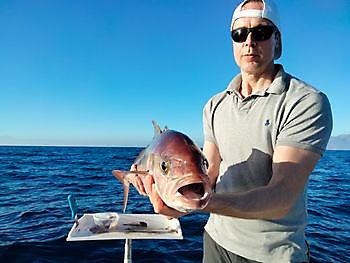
(35, 217)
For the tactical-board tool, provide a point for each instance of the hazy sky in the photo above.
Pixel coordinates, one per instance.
(98, 72)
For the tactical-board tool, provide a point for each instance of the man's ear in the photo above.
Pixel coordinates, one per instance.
(278, 46)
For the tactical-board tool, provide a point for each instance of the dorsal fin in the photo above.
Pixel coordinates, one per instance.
(157, 129)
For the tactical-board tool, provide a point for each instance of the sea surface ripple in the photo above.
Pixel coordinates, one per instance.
(35, 217)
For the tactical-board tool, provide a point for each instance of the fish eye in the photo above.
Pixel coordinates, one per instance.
(164, 166)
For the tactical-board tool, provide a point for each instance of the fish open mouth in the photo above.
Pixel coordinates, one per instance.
(192, 191)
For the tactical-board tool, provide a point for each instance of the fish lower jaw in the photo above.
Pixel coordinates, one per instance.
(189, 207)
(190, 197)
(186, 204)
(194, 198)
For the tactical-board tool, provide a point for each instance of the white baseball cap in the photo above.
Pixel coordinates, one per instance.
(269, 12)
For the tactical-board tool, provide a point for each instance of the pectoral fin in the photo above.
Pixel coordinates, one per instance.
(122, 176)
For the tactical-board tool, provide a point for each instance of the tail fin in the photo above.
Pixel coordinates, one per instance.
(121, 176)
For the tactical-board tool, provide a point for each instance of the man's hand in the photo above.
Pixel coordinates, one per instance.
(136, 181)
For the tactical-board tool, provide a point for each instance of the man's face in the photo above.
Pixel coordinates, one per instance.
(253, 57)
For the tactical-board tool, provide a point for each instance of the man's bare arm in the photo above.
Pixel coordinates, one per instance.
(291, 169)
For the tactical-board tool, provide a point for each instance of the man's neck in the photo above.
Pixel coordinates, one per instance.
(252, 83)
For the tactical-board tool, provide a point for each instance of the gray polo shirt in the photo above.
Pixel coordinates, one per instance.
(246, 132)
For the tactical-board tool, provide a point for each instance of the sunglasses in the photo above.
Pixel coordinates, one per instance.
(259, 33)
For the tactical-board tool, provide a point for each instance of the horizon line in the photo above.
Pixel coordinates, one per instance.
(68, 145)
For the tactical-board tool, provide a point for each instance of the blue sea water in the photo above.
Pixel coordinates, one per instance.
(35, 216)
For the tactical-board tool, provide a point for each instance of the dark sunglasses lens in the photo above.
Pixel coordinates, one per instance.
(239, 35)
(259, 33)
(262, 33)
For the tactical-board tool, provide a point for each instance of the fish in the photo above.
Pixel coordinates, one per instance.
(179, 169)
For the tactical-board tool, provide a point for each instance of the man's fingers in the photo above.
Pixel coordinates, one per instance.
(140, 188)
(148, 182)
(136, 181)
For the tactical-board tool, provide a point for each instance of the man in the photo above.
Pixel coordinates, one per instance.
(263, 137)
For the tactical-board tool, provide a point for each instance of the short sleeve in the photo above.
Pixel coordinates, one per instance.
(308, 123)
(207, 122)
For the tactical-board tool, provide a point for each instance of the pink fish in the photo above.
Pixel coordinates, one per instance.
(178, 167)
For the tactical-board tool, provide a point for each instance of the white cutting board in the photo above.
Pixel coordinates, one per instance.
(109, 225)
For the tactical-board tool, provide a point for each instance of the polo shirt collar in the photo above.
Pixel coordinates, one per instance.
(277, 86)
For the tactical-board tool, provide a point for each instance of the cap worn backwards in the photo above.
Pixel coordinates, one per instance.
(269, 12)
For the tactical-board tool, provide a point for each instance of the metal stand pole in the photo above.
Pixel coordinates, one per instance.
(127, 251)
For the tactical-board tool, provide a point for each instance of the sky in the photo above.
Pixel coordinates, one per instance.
(98, 72)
